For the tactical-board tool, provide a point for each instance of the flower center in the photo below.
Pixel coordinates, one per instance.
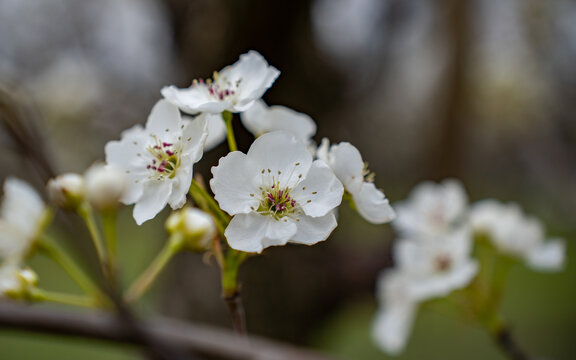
(219, 87)
(275, 199)
(165, 160)
(442, 263)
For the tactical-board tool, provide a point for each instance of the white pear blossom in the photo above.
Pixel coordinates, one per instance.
(261, 118)
(22, 218)
(424, 270)
(234, 88)
(516, 234)
(432, 209)
(158, 160)
(276, 193)
(346, 162)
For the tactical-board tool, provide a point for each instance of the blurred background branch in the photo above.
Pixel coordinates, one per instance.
(175, 335)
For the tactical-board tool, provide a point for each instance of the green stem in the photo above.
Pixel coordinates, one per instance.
(85, 212)
(61, 298)
(109, 226)
(142, 284)
(227, 117)
(53, 251)
(231, 288)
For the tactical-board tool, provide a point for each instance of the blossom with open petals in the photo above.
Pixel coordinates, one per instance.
(516, 234)
(158, 160)
(234, 88)
(432, 209)
(276, 193)
(22, 218)
(424, 270)
(346, 162)
(261, 118)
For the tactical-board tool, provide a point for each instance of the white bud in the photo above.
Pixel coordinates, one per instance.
(67, 190)
(105, 186)
(196, 226)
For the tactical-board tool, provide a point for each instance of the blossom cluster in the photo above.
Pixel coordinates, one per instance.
(285, 189)
(278, 192)
(434, 255)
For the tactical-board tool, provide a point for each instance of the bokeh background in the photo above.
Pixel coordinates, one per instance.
(481, 90)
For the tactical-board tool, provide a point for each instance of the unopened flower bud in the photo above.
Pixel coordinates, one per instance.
(15, 283)
(67, 191)
(196, 226)
(105, 186)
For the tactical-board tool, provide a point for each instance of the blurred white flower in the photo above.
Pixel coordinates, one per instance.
(234, 88)
(432, 209)
(158, 160)
(261, 118)
(424, 270)
(105, 186)
(396, 312)
(22, 218)
(516, 234)
(276, 193)
(346, 162)
(436, 266)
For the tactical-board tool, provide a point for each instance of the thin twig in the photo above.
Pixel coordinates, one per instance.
(199, 339)
(508, 344)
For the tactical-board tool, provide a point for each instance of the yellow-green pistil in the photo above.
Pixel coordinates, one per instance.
(165, 159)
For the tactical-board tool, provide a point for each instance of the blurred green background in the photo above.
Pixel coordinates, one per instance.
(478, 90)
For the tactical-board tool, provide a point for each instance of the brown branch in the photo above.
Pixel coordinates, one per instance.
(508, 344)
(183, 337)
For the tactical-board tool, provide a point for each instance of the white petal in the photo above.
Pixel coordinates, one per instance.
(195, 99)
(260, 119)
(164, 118)
(194, 136)
(312, 230)
(181, 183)
(441, 284)
(320, 191)
(549, 256)
(154, 199)
(347, 164)
(323, 150)
(233, 184)
(393, 325)
(254, 232)
(216, 130)
(281, 151)
(373, 205)
(254, 75)
(22, 207)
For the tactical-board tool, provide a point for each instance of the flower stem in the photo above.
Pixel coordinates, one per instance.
(53, 251)
(227, 117)
(86, 213)
(109, 226)
(503, 338)
(61, 298)
(231, 289)
(141, 285)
